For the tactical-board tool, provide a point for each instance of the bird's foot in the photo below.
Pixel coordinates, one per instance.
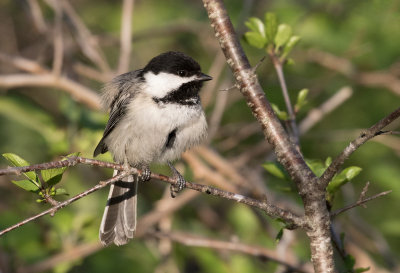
(145, 174)
(180, 181)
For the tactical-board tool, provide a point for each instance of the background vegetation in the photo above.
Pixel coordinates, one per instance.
(343, 44)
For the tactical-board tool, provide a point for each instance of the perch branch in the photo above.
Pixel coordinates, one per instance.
(292, 220)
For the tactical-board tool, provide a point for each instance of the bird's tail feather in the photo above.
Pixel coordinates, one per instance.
(119, 219)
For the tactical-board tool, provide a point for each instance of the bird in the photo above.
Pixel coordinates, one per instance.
(155, 115)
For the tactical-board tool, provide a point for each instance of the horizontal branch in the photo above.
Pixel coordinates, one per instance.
(192, 240)
(315, 115)
(67, 162)
(292, 220)
(343, 66)
(77, 91)
(373, 131)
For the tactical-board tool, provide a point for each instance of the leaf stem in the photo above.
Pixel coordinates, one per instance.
(294, 131)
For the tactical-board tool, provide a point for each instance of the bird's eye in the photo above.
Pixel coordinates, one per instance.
(182, 73)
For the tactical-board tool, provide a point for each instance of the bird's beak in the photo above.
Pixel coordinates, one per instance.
(203, 77)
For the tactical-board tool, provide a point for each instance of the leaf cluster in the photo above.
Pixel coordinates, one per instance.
(43, 182)
(270, 35)
(318, 167)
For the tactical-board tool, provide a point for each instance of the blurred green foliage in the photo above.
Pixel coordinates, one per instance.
(42, 124)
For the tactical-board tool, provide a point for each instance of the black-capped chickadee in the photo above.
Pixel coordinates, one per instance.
(155, 115)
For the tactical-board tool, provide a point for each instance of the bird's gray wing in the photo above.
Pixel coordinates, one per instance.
(123, 89)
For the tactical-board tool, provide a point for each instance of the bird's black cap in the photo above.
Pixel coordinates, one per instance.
(173, 62)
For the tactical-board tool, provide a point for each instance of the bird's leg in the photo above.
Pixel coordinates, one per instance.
(145, 174)
(180, 181)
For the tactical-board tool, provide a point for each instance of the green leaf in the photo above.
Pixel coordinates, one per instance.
(337, 181)
(301, 98)
(256, 25)
(351, 172)
(349, 262)
(289, 46)
(275, 169)
(290, 61)
(53, 176)
(26, 184)
(328, 161)
(255, 39)
(282, 35)
(271, 23)
(279, 235)
(17, 161)
(60, 191)
(282, 115)
(342, 178)
(316, 166)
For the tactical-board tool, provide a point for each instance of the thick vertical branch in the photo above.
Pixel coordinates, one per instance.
(252, 91)
(313, 197)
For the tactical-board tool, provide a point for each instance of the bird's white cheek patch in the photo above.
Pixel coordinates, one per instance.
(161, 84)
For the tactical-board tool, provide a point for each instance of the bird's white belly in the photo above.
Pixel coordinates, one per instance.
(142, 139)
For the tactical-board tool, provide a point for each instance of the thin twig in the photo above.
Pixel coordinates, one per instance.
(258, 64)
(67, 162)
(218, 111)
(37, 16)
(43, 190)
(91, 73)
(222, 166)
(317, 114)
(77, 91)
(204, 172)
(23, 64)
(359, 202)
(216, 69)
(197, 241)
(373, 131)
(85, 39)
(61, 205)
(58, 43)
(313, 117)
(385, 79)
(163, 208)
(125, 37)
(69, 254)
(294, 131)
(363, 193)
(145, 223)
